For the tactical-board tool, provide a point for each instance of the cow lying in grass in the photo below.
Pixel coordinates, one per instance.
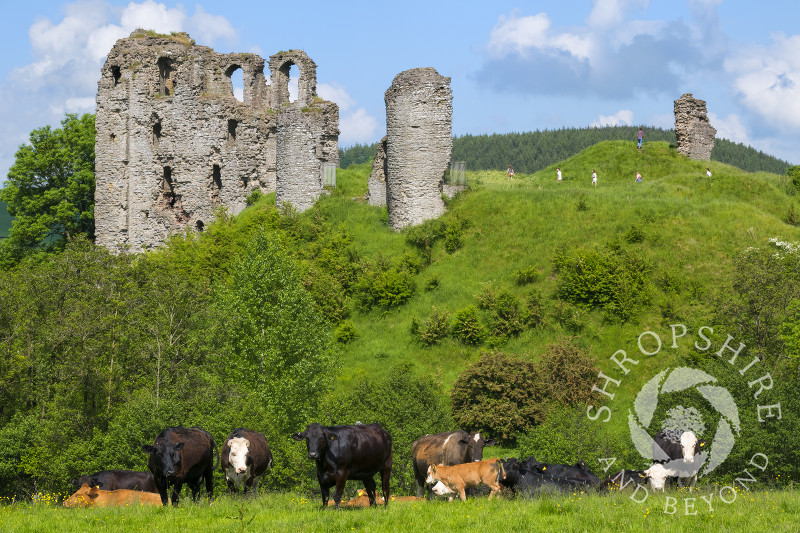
(362, 499)
(530, 476)
(458, 478)
(87, 496)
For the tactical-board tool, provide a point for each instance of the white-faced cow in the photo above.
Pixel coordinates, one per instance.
(182, 455)
(349, 452)
(244, 458)
(448, 449)
(681, 453)
(118, 479)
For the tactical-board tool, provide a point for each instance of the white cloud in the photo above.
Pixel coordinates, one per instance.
(730, 127)
(609, 13)
(336, 93)
(207, 28)
(357, 127)
(623, 117)
(767, 80)
(516, 34)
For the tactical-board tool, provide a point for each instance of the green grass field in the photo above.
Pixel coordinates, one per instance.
(671, 512)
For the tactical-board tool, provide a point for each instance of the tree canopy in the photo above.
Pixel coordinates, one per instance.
(50, 187)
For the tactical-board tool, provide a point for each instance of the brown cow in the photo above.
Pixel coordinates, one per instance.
(362, 499)
(93, 497)
(448, 449)
(458, 478)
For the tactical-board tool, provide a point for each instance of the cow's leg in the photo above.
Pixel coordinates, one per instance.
(231, 485)
(422, 487)
(369, 484)
(209, 475)
(325, 483)
(341, 479)
(462, 494)
(385, 478)
(194, 486)
(176, 493)
(163, 490)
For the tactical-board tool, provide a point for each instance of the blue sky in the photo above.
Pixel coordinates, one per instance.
(515, 66)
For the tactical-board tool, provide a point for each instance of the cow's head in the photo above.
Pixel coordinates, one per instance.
(167, 457)
(239, 455)
(440, 489)
(84, 497)
(86, 478)
(689, 446)
(432, 476)
(316, 437)
(476, 443)
(658, 474)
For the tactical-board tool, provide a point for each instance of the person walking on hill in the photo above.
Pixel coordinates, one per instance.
(594, 177)
(639, 138)
(558, 174)
(638, 178)
(510, 172)
(708, 172)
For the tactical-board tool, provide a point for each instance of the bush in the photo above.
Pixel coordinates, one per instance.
(432, 283)
(535, 309)
(499, 395)
(254, 197)
(569, 373)
(454, 234)
(424, 236)
(387, 289)
(346, 332)
(634, 234)
(527, 275)
(435, 329)
(507, 319)
(467, 328)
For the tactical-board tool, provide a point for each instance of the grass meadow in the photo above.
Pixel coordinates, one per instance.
(671, 512)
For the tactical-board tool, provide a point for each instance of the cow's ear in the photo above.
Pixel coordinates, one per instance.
(299, 436)
(489, 442)
(147, 448)
(179, 445)
(247, 442)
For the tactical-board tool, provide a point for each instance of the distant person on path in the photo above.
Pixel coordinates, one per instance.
(510, 172)
(558, 174)
(639, 138)
(594, 177)
(708, 172)
(638, 177)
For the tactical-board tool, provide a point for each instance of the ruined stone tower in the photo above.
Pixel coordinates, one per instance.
(693, 131)
(173, 143)
(376, 184)
(419, 114)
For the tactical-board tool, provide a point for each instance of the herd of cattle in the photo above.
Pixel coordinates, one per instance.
(444, 464)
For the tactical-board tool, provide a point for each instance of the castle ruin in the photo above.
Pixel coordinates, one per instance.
(693, 132)
(419, 141)
(174, 143)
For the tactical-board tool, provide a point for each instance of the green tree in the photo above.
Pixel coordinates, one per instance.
(50, 187)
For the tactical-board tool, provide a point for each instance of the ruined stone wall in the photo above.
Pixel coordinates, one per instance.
(693, 131)
(173, 143)
(419, 113)
(376, 184)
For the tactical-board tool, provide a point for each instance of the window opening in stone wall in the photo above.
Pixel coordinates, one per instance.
(294, 82)
(113, 137)
(156, 133)
(232, 124)
(216, 185)
(116, 74)
(236, 75)
(168, 188)
(200, 226)
(166, 74)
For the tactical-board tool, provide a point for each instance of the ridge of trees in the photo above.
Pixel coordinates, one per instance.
(532, 151)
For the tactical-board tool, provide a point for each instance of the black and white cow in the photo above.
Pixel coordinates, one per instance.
(680, 454)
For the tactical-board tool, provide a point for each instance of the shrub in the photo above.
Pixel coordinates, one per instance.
(454, 234)
(424, 236)
(432, 283)
(387, 289)
(487, 297)
(527, 275)
(535, 309)
(507, 320)
(498, 394)
(568, 373)
(435, 329)
(467, 328)
(634, 234)
(792, 216)
(346, 332)
(582, 205)
(254, 197)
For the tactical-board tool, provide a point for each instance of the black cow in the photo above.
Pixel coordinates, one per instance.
(576, 475)
(182, 455)
(624, 479)
(448, 449)
(530, 476)
(244, 458)
(349, 452)
(118, 479)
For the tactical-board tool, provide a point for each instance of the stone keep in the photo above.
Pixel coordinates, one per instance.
(419, 115)
(376, 184)
(173, 143)
(693, 131)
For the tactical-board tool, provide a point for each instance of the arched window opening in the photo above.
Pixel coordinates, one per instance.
(116, 74)
(168, 188)
(200, 226)
(294, 81)
(166, 74)
(216, 185)
(156, 133)
(236, 75)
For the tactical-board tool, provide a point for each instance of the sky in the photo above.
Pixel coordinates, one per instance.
(514, 66)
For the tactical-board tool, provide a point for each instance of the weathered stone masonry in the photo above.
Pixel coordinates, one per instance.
(419, 114)
(693, 131)
(173, 143)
